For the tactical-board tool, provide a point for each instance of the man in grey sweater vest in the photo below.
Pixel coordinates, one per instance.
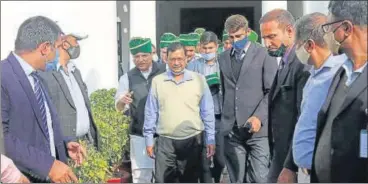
(180, 111)
(132, 95)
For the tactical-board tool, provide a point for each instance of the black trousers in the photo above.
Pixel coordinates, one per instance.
(178, 160)
(247, 158)
(277, 164)
(218, 160)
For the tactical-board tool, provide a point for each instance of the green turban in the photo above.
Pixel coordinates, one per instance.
(191, 39)
(138, 44)
(199, 31)
(167, 39)
(225, 35)
(253, 36)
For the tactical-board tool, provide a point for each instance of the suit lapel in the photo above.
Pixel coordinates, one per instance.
(227, 66)
(355, 89)
(281, 75)
(248, 59)
(324, 109)
(64, 87)
(26, 85)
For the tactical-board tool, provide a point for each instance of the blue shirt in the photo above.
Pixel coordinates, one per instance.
(314, 94)
(352, 75)
(206, 112)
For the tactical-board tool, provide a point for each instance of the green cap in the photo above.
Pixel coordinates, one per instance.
(225, 35)
(191, 39)
(253, 36)
(167, 38)
(199, 31)
(139, 44)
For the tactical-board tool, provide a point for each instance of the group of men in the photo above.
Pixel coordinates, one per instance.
(45, 106)
(294, 110)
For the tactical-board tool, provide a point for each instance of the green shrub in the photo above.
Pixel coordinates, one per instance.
(113, 130)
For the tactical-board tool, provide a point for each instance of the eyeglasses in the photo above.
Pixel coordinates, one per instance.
(327, 27)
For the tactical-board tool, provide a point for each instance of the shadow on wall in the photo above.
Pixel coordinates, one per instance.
(92, 80)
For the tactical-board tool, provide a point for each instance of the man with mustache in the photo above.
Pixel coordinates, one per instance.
(278, 33)
(190, 42)
(132, 94)
(180, 111)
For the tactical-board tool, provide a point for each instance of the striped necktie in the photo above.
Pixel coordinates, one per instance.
(41, 99)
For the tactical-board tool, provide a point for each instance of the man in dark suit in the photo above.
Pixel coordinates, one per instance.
(69, 93)
(33, 139)
(286, 93)
(340, 153)
(247, 72)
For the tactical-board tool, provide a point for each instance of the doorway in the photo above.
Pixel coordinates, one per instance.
(212, 19)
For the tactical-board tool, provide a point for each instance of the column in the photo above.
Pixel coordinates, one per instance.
(142, 21)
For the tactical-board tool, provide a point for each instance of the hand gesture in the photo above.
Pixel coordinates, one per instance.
(76, 152)
(256, 124)
(127, 98)
(62, 173)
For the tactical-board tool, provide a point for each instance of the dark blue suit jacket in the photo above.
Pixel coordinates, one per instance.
(25, 137)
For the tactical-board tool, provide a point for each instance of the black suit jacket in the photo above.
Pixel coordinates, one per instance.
(284, 108)
(248, 95)
(346, 165)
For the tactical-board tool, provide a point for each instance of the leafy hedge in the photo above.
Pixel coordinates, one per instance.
(113, 128)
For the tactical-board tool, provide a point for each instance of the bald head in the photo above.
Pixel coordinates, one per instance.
(309, 27)
(281, 16)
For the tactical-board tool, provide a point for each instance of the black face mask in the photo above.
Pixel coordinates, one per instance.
(279, 52)
(73, 51)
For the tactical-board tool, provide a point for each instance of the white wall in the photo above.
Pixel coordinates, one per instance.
(270, 5)
(98, 59)
(142, 21)
(315, 6)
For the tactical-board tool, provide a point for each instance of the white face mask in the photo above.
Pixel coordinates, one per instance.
(302, 55)
(155, 57)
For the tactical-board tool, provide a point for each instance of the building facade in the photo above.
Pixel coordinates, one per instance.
(110, 25)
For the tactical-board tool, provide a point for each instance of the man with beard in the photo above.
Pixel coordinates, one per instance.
(285, 96)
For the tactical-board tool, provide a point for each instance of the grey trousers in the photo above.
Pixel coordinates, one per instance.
(247, 160)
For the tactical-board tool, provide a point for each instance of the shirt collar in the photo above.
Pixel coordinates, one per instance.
(348, 66)
(28, 69)
(287, 53)
(70, 66)
(170, 76)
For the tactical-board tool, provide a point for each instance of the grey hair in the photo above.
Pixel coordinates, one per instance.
(283, 17)
(355, 11)
(34, 31)
(208, 37)
(309, 27)
(174, 47)
(236, 22)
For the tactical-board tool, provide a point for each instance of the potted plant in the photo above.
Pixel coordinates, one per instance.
(106, 164)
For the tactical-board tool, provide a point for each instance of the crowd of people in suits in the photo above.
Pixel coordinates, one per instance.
(291, 110)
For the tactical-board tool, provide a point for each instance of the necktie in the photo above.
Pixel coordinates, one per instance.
(41, 99)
